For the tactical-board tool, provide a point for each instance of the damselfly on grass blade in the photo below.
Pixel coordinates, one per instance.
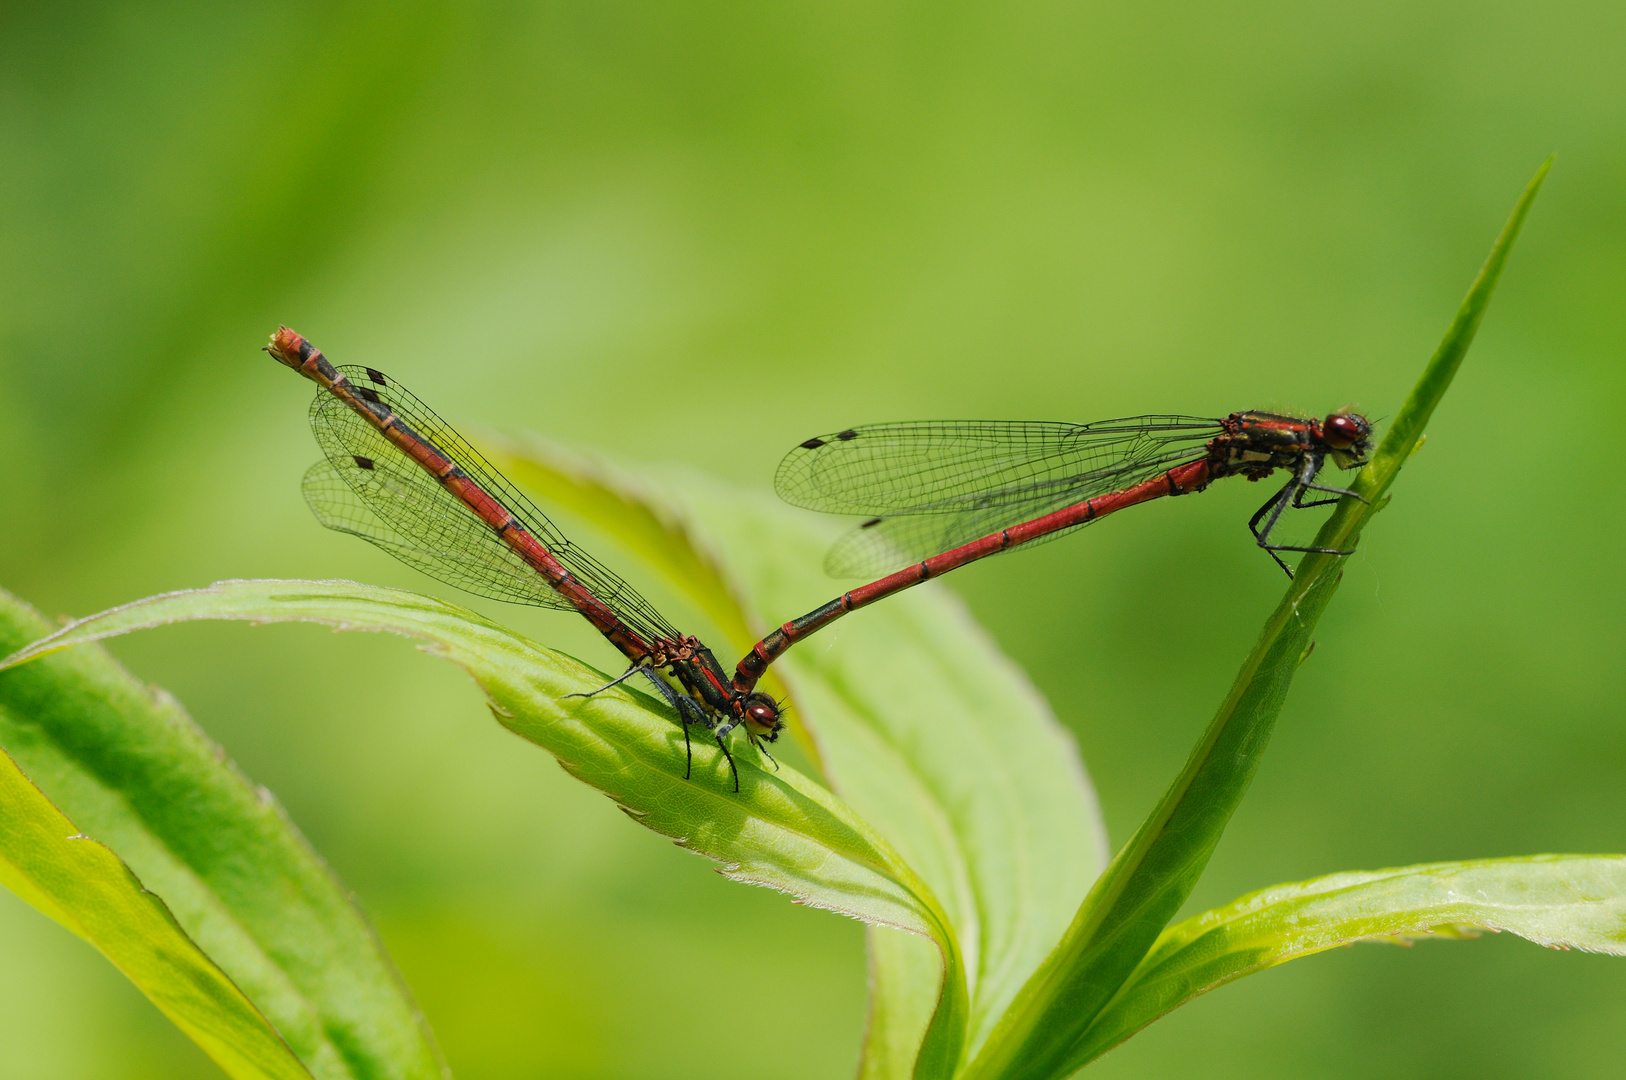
(945, 494)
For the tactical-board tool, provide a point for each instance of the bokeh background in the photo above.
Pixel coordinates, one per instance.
(698, 233)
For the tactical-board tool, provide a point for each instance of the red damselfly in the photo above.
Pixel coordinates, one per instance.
(400, 477)
(945, 494)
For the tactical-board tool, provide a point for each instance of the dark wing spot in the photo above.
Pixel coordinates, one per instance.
(848, 434)
(362, 462)
(377, 376)
(870, 524)
(812, 444)
(367, 394)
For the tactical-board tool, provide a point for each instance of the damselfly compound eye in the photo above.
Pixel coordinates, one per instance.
(1344, 430)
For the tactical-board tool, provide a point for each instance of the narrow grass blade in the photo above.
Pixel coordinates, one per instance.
(782, 830)
(77, 881)
(1045, 1033)
(1560, 901)
(130, 768)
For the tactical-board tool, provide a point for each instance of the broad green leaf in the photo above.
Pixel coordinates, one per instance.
(904, 974)
(782, 830)
(1045, 1033)
(130, 768)
(81, 884)
(1560, 901)
(917, 719)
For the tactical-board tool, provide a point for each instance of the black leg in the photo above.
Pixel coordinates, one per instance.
(1274, 507)
(617, 681)
(689, 712)
(1297, 485)
(1311, 550)
(1253, 522)
(1306, 482)
(723, 746)
(763, 750)
(1298, 504)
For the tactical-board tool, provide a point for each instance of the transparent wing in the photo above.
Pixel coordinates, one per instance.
(947, 466)
(371, 489)
(936, 485)
(344, 497)
(882, 545)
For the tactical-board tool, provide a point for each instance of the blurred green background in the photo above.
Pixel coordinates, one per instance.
(700, 233)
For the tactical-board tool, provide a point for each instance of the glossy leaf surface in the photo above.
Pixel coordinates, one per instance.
(1560, 901)
(130, 768)
(783, 830)
(81, 884)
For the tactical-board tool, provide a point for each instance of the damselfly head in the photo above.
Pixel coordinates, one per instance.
(1348, 435)
(761, 716)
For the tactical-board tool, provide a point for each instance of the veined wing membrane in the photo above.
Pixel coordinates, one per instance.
(372, 489)
(934, 486)
(362, 502)
(883, 545)
(941, 467)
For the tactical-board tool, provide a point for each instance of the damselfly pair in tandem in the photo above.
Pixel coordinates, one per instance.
(937, 495)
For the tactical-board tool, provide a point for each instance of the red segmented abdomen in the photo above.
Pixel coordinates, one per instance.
(1180, 480)
(512, 533)
(293, 350)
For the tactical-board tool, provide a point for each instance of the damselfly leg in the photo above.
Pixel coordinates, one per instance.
(617, 681)
(1338, 493)
(1292, 494)
(689, 712)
